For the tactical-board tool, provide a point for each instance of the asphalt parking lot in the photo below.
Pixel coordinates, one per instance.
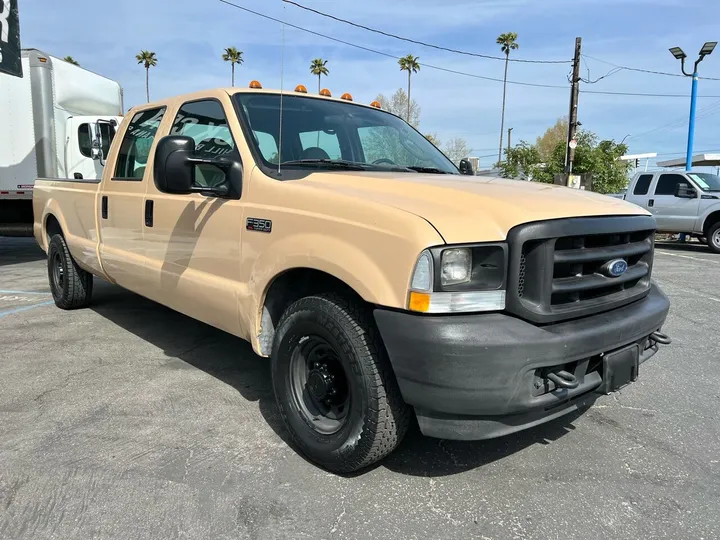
(129, 421)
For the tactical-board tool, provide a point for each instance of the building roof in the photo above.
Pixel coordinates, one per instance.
(698, 160)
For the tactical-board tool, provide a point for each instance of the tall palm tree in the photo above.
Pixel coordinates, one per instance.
(71, 60)
(233, 56)
(149, 59)
(319, 67)
(507, 42)
(410, 64)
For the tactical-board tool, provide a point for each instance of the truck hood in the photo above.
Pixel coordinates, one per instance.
(471, 209)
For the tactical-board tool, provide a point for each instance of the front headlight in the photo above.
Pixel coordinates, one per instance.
(459, 279)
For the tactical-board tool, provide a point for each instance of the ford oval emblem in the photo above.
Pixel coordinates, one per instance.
(615, 268)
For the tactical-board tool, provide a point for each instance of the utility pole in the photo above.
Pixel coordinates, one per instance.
(574, 94)
(509, 137)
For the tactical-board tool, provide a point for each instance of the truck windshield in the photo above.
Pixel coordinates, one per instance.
(331, 135)
(706, 181)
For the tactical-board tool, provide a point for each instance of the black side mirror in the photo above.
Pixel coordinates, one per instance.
(174, 168)
(683, 191)
(466, 167)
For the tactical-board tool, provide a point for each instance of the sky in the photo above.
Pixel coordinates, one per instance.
(189, 36)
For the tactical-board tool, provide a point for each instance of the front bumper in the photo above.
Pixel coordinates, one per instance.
(483, 375)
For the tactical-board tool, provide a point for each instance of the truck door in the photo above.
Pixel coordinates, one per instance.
(193, 240)
(120, 201)
(672, 213)
(639, 194)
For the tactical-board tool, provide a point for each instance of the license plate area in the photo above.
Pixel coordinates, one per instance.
(619, 369)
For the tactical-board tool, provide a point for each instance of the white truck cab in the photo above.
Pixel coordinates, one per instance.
(681, 201)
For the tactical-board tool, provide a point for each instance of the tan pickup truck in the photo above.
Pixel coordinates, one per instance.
(383, 284)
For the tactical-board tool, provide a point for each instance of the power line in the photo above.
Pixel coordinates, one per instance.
(626, 68)
(387, 55)
(708, 110)
(439, 68)
(424, 44)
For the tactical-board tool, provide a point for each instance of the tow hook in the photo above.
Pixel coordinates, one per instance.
(660, 338)
(563, 379)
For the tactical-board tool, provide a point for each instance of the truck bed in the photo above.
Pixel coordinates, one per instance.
(77, 198)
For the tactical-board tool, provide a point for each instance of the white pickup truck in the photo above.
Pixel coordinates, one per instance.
(682, 202)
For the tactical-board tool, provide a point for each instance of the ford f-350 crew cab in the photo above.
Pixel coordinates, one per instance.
(681, 202)
(380, 282)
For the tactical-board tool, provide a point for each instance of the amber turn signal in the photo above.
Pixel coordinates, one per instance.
(255, 84)
(325, 92)
(376, 104)
(300, 88)
(419, 302)
(346, 97)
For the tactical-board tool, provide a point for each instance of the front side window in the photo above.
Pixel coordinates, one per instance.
(668, 183)
(85, 140)
(135, 148)
(205, 122)
(324, 134)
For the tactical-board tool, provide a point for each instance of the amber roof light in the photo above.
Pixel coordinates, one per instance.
(346, 97)
(376, 104)
(300, 88)
(325, 92)
(255, 84)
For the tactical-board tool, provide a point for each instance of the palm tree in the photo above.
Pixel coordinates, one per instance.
(507, 42)
(149, 59)
(410, 64)
(319, 67)
(71, 60)
(233, 56)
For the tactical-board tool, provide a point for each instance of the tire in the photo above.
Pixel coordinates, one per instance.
(71, 286)
(713, 237)
(367, 418)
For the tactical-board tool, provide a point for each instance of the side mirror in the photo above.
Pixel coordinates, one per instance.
(466, 167)
(175, 166)
(683, 191)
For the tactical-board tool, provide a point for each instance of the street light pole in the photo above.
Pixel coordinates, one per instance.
(678, 53)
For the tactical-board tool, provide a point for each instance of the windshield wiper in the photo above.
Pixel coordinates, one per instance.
(433, 170)
(332, 163)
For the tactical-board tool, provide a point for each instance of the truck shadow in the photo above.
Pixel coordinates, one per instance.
(19, 250)
(232, 361)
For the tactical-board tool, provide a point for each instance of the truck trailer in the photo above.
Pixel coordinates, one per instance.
(48, 119)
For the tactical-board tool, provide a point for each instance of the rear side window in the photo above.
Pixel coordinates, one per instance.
(667, 184)
(643, 184)
(206, 124)
(136, 145)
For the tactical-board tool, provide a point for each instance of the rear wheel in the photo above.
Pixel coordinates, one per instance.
(71, 286)
(334, 385)
(713, 237)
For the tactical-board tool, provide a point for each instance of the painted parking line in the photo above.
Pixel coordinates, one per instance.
(661, 252)
(24, 308)
(24, 292)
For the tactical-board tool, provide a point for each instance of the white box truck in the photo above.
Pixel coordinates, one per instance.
(49, 121)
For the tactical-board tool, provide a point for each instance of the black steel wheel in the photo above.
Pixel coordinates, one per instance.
(334, 385)
(70, 285)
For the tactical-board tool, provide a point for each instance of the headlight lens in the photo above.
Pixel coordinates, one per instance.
(456, 266)
(459, 279)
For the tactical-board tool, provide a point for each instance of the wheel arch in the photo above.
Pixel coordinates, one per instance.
(711, 219)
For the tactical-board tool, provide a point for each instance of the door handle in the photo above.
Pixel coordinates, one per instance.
(104, 207)
(149, 207)
(651, 202)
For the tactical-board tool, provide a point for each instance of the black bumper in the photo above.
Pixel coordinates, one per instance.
(483, 375)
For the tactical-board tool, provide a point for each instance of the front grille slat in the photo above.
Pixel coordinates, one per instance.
(597, 281)
(558, 268)
(568, 256)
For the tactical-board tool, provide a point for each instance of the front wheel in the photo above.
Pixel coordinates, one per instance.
(71, 286)
(713, 237)
(334, 385)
